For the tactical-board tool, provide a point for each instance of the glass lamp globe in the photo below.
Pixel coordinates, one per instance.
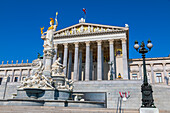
(149, 45)
(136, 46)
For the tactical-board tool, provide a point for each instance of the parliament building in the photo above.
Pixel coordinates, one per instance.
(97, 59)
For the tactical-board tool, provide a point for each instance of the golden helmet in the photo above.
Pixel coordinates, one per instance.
(52, 20)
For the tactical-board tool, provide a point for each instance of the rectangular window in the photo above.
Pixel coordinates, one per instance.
(0, 80)
(134, 77)
(16, 79)
(158, 77)
(23, 78)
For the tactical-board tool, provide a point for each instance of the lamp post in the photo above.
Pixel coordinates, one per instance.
(146, 88)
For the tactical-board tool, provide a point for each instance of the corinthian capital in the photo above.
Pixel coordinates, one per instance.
(99, 42)
(65, 45)
(123, 40)
(87, 43)
(76, 44)
(111, 41)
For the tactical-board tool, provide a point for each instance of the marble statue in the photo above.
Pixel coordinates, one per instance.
(126, 25)
(37, 79)
(74, 31)
(37, 66)
(81, 29)
(57, 68)
(88, 29)
(102, 29)
(57, 71)
(91, 29)
(50, 32)
(68, 85)
(97, 29)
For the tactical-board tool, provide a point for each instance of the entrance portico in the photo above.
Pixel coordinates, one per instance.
(87, 48)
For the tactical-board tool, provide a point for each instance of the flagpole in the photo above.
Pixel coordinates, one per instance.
(85, 16)
(84, 10)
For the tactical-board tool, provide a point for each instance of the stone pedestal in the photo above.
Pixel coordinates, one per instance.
(58, 80)
(49, 53)
(149, 110)
(63, 94)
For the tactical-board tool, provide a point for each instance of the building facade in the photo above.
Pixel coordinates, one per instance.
(90, 52)
(158, 69)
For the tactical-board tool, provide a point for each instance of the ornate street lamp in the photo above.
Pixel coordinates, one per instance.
(146, 88)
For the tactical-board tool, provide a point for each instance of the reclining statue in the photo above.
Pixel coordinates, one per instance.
(37, 79)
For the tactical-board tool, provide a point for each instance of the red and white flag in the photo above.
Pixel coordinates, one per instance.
(84, 10)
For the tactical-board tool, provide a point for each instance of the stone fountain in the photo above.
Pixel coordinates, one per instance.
(39, 86)
(47, 80)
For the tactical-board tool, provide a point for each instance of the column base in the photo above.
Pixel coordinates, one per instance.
(149, 110)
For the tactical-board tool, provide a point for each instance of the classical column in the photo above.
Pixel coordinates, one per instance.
(80, 64)
(55, 55)
(28, 72)
(61, 55)
(70, 64)
(103, 64)
(165, 74)
(99, 60)
(87, 72)
(91, 64)
(76, 61)
(6, 72)
(152, 74)
(125, 64)
(13, 71)
(112, 57)
(20, 75)
(65, 57)
(164, 69)
(140, 70)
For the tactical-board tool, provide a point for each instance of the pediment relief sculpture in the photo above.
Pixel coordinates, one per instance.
(86, 28)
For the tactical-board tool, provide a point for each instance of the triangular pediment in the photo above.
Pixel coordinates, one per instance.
(86, 28)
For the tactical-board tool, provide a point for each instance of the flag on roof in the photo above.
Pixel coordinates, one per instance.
(84, 10)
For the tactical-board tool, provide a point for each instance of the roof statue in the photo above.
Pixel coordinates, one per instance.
(126, 25)
(82, 20)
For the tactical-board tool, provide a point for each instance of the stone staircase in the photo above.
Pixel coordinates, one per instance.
(111, 88)
(52, 109)
(160, 92)
(49, 109)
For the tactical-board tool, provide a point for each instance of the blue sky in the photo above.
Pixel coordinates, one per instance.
(20, 22)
